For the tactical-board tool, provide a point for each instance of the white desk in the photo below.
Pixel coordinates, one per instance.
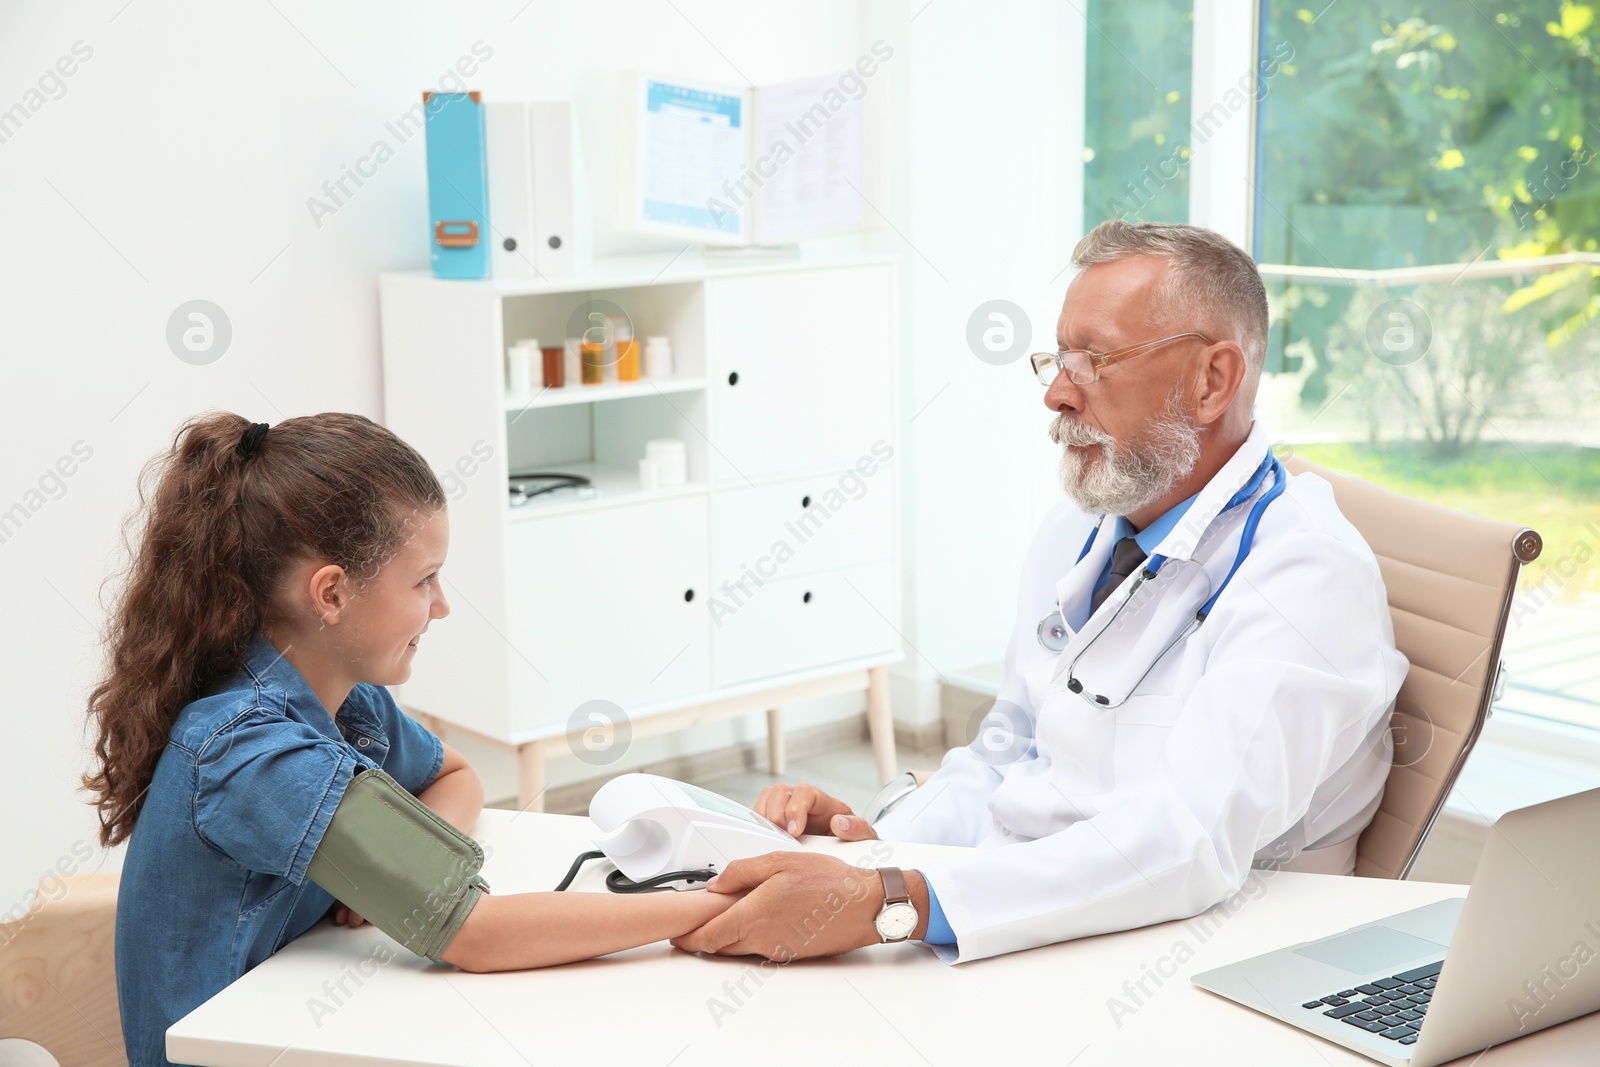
(887, 1005)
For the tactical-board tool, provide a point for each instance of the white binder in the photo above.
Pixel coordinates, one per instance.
(559, 203)
(536, 199)
(508, 148)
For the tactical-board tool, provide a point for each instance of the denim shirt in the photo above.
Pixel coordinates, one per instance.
(214, 879)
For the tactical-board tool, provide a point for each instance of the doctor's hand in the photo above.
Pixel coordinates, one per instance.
(786, 893)
(805, 809)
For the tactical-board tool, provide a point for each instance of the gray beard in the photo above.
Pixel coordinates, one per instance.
(1134, 476)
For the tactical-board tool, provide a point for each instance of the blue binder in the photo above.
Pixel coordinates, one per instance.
(458, 185)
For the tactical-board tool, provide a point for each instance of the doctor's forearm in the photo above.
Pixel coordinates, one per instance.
(524, 930)
(456, 797)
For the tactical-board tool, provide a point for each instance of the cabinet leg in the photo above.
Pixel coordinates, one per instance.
(880, 722)
(530, 776)
(775, 754)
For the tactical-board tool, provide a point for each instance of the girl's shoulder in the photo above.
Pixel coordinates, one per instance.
(265, 693)
(200, 721)
(391, 738)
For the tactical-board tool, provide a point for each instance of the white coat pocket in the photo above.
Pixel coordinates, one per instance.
(1144, 728)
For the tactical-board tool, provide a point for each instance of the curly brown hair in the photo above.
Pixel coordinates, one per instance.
(219, 528)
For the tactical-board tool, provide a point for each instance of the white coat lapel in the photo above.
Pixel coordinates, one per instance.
(1073, 590)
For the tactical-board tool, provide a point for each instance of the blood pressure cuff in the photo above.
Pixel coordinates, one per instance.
(392, 861)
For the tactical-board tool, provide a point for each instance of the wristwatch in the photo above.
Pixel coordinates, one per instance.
(897, 919)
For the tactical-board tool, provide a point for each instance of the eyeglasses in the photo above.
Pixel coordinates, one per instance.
(1083, 366)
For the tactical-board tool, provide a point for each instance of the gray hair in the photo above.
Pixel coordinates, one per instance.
(1212, 286)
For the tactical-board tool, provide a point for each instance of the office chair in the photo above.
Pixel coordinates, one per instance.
(1450, 577)
(57, 984)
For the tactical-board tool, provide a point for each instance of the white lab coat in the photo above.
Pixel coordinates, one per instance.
(1261, 735)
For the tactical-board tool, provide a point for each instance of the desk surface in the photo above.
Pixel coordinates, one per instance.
(892, 1004)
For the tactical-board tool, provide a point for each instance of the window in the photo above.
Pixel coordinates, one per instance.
(1427, 215)
(1136, 119)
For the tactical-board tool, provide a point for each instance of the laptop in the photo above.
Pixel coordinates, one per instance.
(1521, 952)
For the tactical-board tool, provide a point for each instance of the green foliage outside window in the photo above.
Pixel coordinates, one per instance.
(1427, 132)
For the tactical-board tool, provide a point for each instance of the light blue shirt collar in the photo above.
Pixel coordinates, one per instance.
(1152, 535)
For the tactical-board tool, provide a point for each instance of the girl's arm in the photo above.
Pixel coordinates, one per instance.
(522, 930)
(456, 793)
(456, 796)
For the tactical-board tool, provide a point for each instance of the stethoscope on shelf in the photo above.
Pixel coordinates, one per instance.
(1052, 630)
(524, 487)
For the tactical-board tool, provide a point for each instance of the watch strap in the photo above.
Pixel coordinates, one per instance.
(894, 885)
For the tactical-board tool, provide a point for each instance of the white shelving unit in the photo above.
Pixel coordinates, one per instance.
(588, 394)
(769, 578)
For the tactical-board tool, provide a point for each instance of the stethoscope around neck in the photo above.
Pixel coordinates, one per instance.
(1052, 629)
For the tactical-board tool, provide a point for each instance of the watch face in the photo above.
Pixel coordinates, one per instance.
(896, 921)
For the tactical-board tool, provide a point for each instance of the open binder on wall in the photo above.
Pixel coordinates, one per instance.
(731, 165)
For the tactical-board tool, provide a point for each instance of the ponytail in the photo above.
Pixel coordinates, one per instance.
(226, 510)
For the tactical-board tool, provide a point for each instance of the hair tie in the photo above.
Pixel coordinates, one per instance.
(250, 440)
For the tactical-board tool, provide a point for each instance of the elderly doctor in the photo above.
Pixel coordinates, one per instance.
(1200, 675)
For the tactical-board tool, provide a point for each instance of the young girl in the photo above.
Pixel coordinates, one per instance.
(285, 575)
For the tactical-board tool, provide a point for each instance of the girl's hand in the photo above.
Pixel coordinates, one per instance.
(343, 916)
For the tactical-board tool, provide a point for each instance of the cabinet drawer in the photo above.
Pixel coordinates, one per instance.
(801, 365)
(797, 623)
(803, 525)
(609, 604)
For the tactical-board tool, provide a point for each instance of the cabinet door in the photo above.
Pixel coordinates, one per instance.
(608, 604)
(803, 525)
(803, 622)
(801, 366)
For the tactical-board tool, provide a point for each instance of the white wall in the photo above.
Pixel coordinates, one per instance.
(177, 160)
(995, 206)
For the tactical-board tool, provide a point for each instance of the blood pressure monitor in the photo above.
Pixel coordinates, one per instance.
(664, 833)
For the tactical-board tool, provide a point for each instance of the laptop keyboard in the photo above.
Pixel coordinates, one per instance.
(1391, 1007)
